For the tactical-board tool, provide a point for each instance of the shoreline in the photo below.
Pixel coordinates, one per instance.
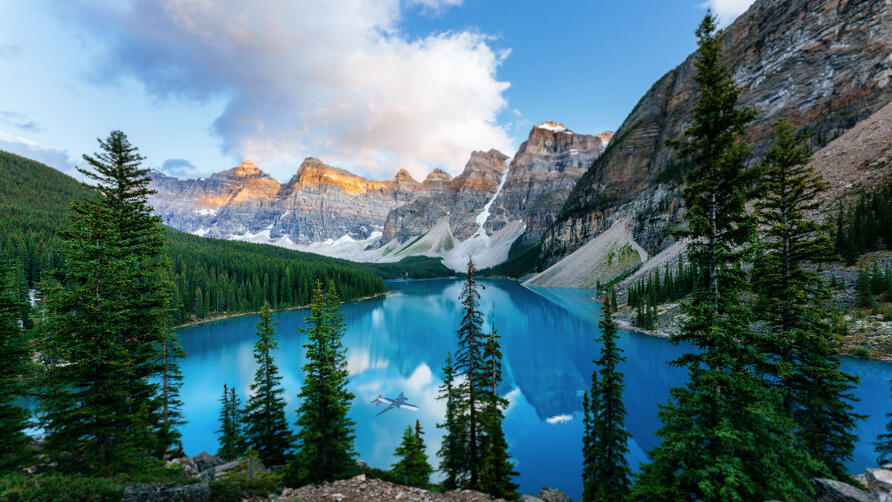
(240, 314)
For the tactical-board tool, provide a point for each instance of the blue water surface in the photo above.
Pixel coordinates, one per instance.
(398, 343)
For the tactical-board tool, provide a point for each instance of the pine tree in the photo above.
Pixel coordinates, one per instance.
(883, 444)
(412, 468)
(107, 310)
(14, 364)
(266, 429)
(722, 435)
(325, 440)
(469, 364)
(497, 469)
(606, 472)
(171, 381)
(452, 450)
(792, 300)
(232, 441)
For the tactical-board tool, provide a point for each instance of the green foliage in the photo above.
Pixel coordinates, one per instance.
(244, 482)
(800, 350)
(232, 440)
(266, 430)
(15, 357)
(860, 352)
(231, 276)
(410, 267)
(102, 408)
(52, 487)
(325, 442)
(497, 470)
(647, 293)
(866, 226)
(412, 468)
(522, 259)
(452, 450)
(722, 436)
(606, 473)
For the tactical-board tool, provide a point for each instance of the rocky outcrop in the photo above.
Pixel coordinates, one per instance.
(194, 492)
(544, 170)
(461, 200)
(319, 202)
(822, 64)
(362, 489)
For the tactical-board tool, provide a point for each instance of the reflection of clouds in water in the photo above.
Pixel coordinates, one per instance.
(360, 360)
(559, 419)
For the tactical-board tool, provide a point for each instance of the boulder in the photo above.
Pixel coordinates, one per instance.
(551, 495)
(879, 481)
(204, 461)
(195, 492)
(830, 490)
(189, 467)
(530, 498)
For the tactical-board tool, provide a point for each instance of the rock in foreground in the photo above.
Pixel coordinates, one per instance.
(361, 489)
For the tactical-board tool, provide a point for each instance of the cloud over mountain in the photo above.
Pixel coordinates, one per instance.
(336, 80)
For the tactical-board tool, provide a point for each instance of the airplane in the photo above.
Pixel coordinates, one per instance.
(399, 402)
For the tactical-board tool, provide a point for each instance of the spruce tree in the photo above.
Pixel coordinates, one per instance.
(266, 430)
(497, 469)
(883, 444)
(232, 441)
(470, 365)
(325, 442)
(590, 442)
(793, 301)
(15, 356)
(723, 437)
(452, 450)
(608, 471)
(107, 308)
(412, 468)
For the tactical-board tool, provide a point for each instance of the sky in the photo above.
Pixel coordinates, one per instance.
(372, 86)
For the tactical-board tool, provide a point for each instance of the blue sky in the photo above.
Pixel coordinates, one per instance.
(369, 85)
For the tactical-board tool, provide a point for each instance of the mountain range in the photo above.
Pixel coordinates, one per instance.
(586, 208)
(330, 211)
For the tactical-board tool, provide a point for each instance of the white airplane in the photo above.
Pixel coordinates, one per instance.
(399, 402)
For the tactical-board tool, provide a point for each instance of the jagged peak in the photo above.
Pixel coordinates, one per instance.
(313, 171)
(553, 127)
(245, 170)
(605, 137)
(438, 175)
(492, 154)
(403, 175)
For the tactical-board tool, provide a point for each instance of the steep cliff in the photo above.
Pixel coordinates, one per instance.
(544, 170)
(822, 64)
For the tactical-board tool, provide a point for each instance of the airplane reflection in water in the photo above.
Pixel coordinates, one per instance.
(399, 402)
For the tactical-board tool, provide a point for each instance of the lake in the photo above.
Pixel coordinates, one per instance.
(398, 343)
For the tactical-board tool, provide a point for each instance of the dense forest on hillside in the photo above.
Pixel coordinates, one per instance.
(211, 276)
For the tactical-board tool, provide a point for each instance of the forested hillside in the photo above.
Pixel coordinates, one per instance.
(211, 276)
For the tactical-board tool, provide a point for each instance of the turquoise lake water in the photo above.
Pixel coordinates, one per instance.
(398, 344)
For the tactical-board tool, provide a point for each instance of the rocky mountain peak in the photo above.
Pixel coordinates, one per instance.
(552, 126)
(437, 178)
(482, 172)
(403, 175)
(245, 171)
(315, 173)
(605, 137)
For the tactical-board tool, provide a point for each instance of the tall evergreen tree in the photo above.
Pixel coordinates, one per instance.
(106, 325)
(792, 300)
(722, 435)
(171, 380)
(606, 472)
(883, 444)
(497, 469)
(266, 429)
(452, 450)
(412, 468)
(325, 442)
(470, 365)
(232, 441)
(15, 355)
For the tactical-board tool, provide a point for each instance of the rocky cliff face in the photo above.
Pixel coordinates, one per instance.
(544, 170)
(319, 202)
(461, 200)
(821, 64)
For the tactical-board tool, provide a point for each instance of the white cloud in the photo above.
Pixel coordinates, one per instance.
(727, 10)
(336, 80)
(57, 159)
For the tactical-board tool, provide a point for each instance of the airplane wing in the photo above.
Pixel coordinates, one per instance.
(410, 407)
(389, 407)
